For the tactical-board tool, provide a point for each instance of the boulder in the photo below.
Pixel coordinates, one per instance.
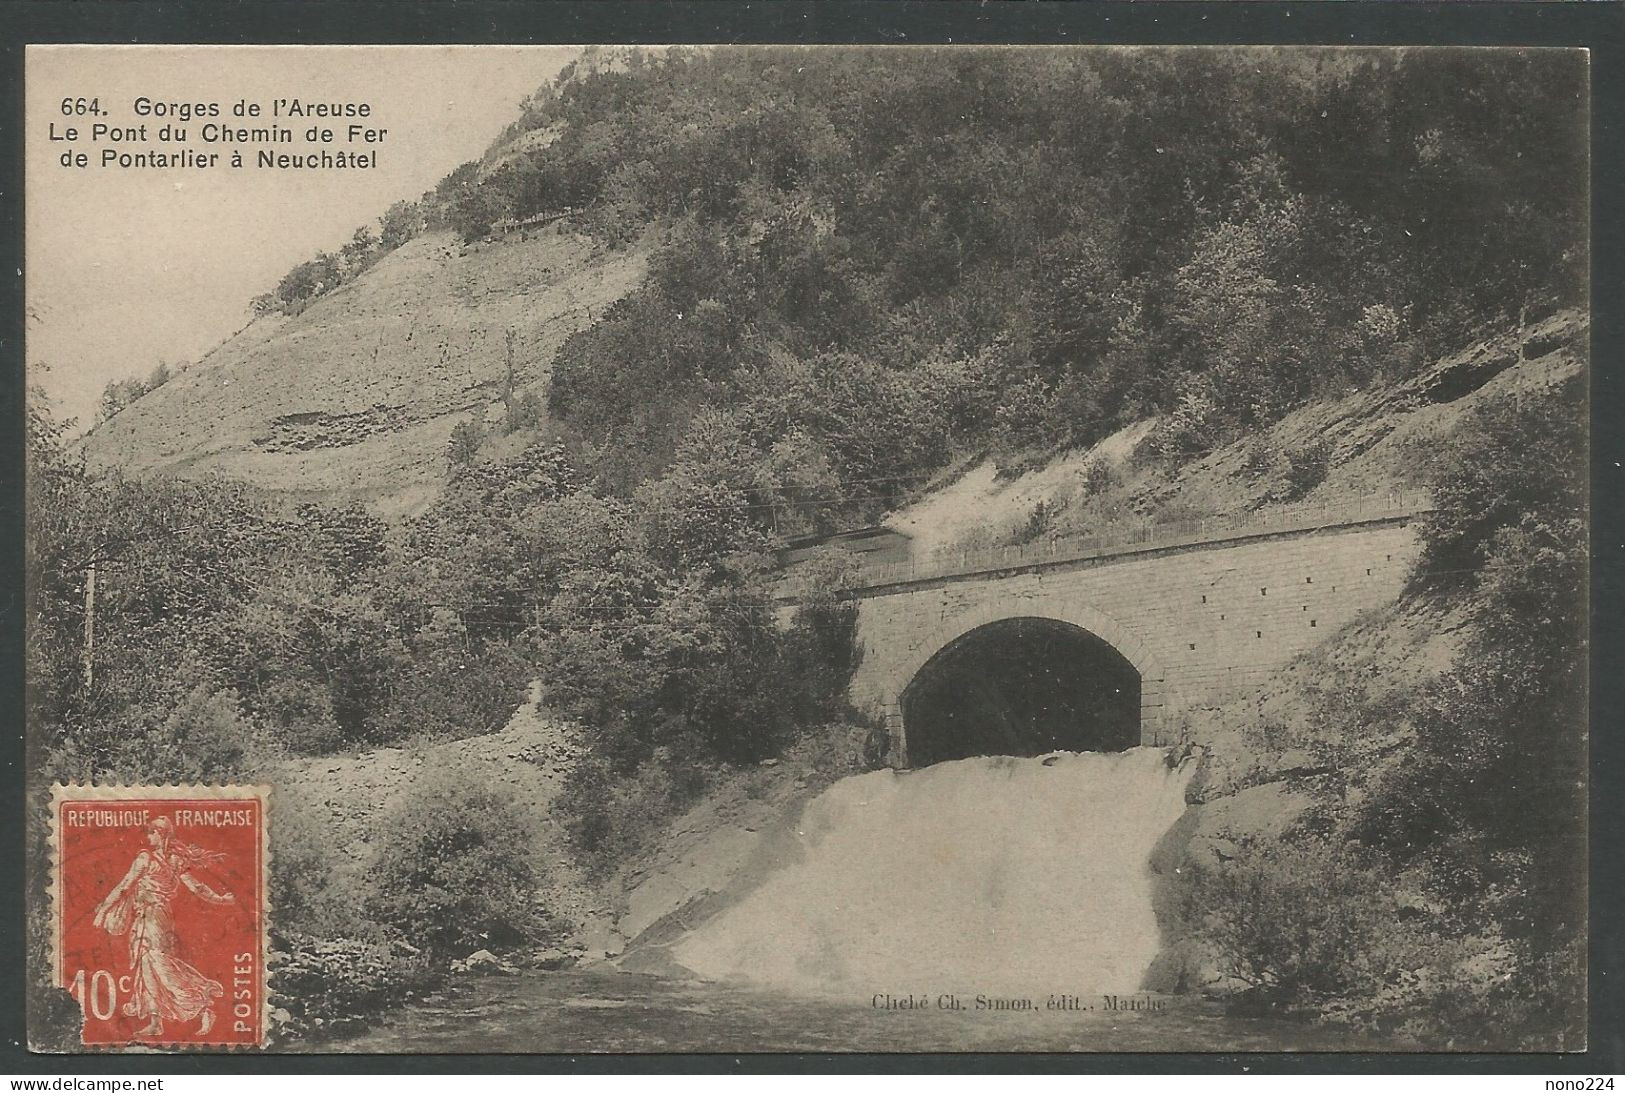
(552, 959)
(481, 962)
(1206, 835)
(598, 940)
(1263, 811)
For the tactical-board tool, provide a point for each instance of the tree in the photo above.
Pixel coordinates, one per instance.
(464, 446)
(116, 396)
(309, 280)
(476, 208)
(355, 254)
(398, 224)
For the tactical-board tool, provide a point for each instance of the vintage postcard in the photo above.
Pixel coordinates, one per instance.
(762, 549)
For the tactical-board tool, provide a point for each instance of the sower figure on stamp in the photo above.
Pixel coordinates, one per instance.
(166, 987)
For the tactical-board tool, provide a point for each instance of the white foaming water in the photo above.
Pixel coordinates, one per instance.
(981, 875)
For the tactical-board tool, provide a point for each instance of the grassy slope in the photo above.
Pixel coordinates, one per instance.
(355, 398)
(349, 798)
(1378, 440)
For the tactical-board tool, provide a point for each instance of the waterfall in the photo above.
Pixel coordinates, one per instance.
(980, 875)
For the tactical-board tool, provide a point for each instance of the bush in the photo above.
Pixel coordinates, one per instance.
(1259, 458)
(348, 539)
(1021, 422)
(203, 738)
(1195, 426)
(818, 656)
(1512, 462)
(830, 752)
(610, 818)
(1325, 926)
(448, 692)
(298, 716)
(335, 985)
(305, 892)
(1494, 788)
(526, 411)
(1100, 477)
(463, 448)
(1305, 921)
(1040, 522)
(454, 872)
(1291, 475)
(1306, 468)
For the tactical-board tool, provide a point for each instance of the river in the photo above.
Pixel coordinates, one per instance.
(589, 1011)
(904, 900)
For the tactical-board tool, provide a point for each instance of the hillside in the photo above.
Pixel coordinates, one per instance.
(349, 798)
(841, 302)
(1268, 751)
(1367, 442)
(1268, 754)
(354, 398)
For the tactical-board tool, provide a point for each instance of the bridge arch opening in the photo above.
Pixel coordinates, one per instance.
(1021, 686)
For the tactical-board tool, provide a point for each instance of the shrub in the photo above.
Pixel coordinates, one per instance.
(454, 872)
(1020, 422)
(839, 749)
(1259, 458)
(463, 448)
(818, 656)
(1100, 476)
(336, 985)
(203, 738)
(1195, 425)
(610, 818)
(526, 411)
(1321, 925)
(1476, 990)
(298, 716)
(399, 223)
(1511, 462)
(121, 393)
(307, 897)
(348, 539)
(448, 692)
(1304, 921)
(1306, 468)
(1040, 522)
(1494, 789)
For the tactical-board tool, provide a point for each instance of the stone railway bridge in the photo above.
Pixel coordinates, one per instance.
(1197, 609)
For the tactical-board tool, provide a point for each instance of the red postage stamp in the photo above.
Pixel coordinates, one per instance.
(159, 912)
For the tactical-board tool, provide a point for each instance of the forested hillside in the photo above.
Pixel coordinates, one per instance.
(861, 272)
(867, 269)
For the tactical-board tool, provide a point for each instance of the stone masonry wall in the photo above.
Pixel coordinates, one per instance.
(1197, 621)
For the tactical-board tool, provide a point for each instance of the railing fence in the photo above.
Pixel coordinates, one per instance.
(1149, 535)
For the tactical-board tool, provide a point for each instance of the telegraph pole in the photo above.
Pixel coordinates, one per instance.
(90, 625)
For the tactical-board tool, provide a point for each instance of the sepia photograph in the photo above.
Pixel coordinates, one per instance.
(760, 549)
